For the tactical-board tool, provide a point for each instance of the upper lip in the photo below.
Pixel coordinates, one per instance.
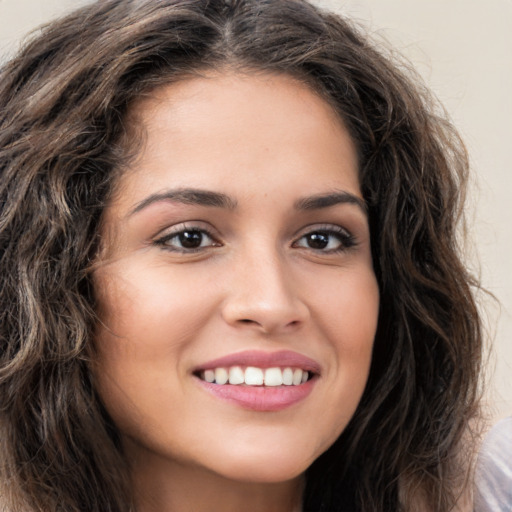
(260, 359)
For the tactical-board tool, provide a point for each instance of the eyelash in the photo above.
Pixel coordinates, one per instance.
(182, 230)
(346, 240)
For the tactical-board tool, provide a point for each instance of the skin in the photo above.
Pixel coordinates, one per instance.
(257, 282)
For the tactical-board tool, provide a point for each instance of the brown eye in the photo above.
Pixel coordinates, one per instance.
(328, 240)
(317, 240)
(190, 239)
(187, 240)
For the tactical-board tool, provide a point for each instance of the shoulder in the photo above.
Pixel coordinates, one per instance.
(493, 475)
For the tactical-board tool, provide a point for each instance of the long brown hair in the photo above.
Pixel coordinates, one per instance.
(63, 104)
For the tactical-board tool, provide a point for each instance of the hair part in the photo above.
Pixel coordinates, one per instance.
(64, 138)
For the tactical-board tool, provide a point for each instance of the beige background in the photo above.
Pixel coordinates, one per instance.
(463, 50)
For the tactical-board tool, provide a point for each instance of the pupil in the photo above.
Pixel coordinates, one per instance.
(191, 239)
(318, 240)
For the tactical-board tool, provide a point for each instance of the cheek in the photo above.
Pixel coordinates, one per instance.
(348, 319)
(151, 306)
(137, 347)
(357, 312)
(348, 308)
(149, 316)
(133, 373)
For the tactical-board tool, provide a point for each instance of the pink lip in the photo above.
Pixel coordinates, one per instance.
(282, 358)
(261, 398)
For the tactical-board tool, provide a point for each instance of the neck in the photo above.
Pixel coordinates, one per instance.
(167, 486)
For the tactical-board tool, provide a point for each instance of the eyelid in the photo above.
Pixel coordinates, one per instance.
(169, 233)
(323, 226)
(347, 239)
(190, 225)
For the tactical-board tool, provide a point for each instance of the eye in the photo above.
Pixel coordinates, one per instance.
(326, 240)
(187, 240)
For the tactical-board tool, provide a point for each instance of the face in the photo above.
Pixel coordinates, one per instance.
(236, 289)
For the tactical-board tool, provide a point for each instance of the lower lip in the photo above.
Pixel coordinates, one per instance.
(261, 398)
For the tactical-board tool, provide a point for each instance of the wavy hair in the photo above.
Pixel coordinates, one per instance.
(63, 140)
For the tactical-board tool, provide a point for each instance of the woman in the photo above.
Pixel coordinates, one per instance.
(230, 269)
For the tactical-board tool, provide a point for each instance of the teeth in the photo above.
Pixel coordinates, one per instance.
(253, 376)
(297, 376)
(221, 375)
(273, 377)
(236, 375)
(288, 376)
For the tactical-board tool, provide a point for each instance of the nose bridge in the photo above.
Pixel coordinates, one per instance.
(262, 292)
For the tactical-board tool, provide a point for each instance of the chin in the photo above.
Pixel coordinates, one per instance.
(267, 473)
(271, 466)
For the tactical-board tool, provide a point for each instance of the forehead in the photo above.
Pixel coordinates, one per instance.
(237, 129)
(238, 84)
(242, 101)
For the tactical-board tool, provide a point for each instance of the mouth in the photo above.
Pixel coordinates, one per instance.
(260, 381)
(254, 376)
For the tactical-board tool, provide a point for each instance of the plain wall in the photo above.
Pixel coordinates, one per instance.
(463, 50)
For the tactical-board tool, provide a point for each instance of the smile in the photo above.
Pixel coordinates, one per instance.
(254, 376)
(260, 381)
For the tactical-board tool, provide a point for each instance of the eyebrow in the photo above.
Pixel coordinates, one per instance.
(188, 196)
(320, 201)
(219, 200)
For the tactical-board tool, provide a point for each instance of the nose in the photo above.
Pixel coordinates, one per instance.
(264, 296)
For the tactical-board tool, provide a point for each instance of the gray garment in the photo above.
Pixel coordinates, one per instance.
(494, 470)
